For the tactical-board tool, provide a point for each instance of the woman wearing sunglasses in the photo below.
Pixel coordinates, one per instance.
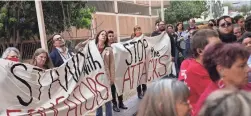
(225, 30)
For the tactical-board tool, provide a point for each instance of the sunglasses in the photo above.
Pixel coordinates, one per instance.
(227, 24)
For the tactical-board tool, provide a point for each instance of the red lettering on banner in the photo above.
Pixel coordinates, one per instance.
(54, 109)
(71, 108)
(130, 75)
(41, 112)
(30, 111)
(107, 91)
(91, 84)
(59, 99)
(126, 79)
(139, 77)
(163, 64)
(154, 63)
(78, 99)
(154, 68)
(11, 111)
(85, 97)
(95, 87)
(144, 72)
(133, 66)
(150, 78)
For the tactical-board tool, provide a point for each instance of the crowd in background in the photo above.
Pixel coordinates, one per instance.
(212, 64)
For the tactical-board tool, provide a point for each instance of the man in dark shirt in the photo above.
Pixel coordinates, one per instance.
(161, 28)
(172, 35)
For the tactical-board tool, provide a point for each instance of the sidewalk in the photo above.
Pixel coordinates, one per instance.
(132, 105)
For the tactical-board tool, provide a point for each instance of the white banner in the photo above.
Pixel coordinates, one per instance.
(81, 86)
(73, 89)
(141, 60)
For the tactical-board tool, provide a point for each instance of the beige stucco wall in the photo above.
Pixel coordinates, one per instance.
(145, 24)
(126, 24)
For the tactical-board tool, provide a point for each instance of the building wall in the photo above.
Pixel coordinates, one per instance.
(105, 22)
(130, 13)
(126, 24)
(145, 24)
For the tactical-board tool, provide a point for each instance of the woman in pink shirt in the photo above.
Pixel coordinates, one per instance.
(227, 67)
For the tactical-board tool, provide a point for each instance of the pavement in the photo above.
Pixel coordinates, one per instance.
(131, 101)
(132, 105)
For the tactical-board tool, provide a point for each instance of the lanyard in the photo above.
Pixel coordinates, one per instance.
(63, 56)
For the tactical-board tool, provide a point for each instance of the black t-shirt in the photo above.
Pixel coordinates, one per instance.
(227, 38)
(155, 33)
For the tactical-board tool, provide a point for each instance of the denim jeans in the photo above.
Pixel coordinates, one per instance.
(108, 107)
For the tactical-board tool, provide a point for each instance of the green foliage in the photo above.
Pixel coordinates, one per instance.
(18, 19)
(217, 9)
(60, 16)
(244, 9)
(180, 11)
(230, 6)
(82, 17)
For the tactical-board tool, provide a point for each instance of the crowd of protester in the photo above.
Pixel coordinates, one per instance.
(212, 64)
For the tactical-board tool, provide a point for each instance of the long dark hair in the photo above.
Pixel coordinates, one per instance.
(106, 38)
(176, 27)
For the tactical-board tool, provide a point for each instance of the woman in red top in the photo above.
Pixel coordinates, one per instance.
(227, 67)
(192, 71)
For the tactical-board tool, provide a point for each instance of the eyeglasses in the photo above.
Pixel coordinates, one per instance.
(226, 24)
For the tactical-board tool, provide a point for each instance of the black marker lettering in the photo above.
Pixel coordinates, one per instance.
(135, 50)
(128, 63)
(24, 82)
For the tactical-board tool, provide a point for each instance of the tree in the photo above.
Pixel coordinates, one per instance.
(184, 10)
(18, 20)
(61, 15)
(229, 5)
(244, 9)
(217, 9)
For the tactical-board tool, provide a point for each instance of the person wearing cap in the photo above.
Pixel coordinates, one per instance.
(60, 53)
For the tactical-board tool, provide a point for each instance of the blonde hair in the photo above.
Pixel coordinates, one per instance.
(134, 29)
(48, 63)
(227, 102)
(203, 27)
(160, 99)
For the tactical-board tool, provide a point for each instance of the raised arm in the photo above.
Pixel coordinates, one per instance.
(81, 45)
